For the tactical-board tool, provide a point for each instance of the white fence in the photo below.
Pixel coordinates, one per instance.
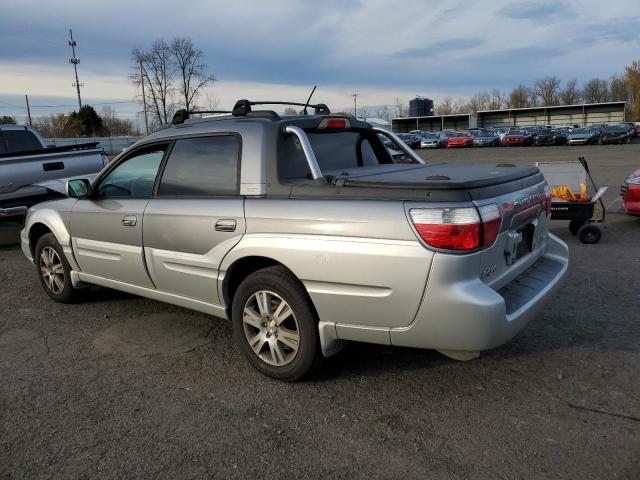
(111, 145)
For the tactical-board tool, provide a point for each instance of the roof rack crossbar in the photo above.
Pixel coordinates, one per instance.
(182, 115)
(243, 107)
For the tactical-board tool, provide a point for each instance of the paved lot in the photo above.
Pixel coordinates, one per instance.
(120, 386)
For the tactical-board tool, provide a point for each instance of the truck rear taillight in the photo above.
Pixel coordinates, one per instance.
(463, 228)
(491, 221)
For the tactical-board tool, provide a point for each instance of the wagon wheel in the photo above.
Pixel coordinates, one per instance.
(589, 234)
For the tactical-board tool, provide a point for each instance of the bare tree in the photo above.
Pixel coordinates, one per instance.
(570, 94)
(596, 90)
(117, 126)
(521, 97)
(445, 107)
(157, 74)
(497, 100)
(401, 107)
(190, 69)
(632, 82)
(461, 105)
(383, 112)
(547, 90)
(618, 89)
(211, 102)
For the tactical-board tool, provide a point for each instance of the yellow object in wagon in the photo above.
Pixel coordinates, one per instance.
(564, 192)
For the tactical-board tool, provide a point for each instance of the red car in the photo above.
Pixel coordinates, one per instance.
(516, 137)
(630, 192)
(459, 139)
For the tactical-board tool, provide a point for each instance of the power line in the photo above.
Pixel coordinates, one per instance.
(11, 104)
(90, 103)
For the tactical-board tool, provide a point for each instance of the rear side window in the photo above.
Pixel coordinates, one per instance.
(202, 167)
(333, 150)
(20, 141)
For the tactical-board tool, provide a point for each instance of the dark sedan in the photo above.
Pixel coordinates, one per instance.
(410, 139)
(433, 140)
(615, 134)
(484, 138)
(544, 136)
(583, 136)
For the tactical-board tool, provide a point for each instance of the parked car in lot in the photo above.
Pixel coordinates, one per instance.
(516, 138)
(501, 131)
(459, 139)
(410, 139)
(544, 136)
(304, 233)
(583, 136)
(483, 137)
(561, 134)
(433, 140)
(632, 128)
(616, 134)
(26, 161)
(630, 192)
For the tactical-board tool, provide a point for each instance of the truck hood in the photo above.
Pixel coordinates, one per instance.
(446, 176)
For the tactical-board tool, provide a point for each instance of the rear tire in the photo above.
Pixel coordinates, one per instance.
(54, 271)
(279, 340)
(589, 234)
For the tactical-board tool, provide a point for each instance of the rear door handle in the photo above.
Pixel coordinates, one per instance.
(226, 225)
(129, 220)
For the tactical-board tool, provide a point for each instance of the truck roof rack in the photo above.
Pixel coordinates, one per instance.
(242, 108)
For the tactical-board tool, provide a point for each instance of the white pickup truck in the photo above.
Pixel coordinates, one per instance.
(26, 162)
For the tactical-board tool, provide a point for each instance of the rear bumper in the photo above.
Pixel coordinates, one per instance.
(458, 313)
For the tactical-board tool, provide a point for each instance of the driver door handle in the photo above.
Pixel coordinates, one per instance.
(226, 225)
(129, 220)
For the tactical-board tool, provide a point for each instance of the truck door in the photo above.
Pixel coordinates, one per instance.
(106, 229)
(196, 216)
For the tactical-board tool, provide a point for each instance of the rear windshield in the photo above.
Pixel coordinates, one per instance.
(333, 150)
(19, 141)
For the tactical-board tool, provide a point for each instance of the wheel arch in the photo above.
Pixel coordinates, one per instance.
(245, 266)
(37, 231)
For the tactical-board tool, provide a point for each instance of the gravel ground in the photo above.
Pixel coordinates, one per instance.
(121, 386)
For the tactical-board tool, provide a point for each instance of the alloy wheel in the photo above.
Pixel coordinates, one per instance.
(271, 328)
(52, 270)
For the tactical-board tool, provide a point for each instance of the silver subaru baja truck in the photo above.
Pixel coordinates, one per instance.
(306, 232)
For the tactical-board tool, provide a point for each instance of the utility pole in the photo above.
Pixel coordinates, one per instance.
(144, 100)
(75, 61)
(355, 104)
(26, 97)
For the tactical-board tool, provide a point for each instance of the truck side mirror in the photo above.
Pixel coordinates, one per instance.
(77, 188)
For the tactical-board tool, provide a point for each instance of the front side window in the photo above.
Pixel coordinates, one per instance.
(134, 177)
(202, 167)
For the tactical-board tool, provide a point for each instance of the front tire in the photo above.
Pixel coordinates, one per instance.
(275, 325)
(54, 272)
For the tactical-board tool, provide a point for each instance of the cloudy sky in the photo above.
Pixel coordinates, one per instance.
(266, 49)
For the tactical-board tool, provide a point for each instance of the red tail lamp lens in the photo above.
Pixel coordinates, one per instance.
(334, 124)
(491, 221)
(457, 228)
